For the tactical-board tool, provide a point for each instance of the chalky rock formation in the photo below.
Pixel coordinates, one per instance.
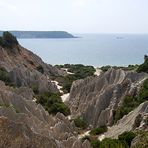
(27, 69)
(23, 123)
(133, 121)
(96, 98)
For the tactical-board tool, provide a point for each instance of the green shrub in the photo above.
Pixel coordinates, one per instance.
(53, 103)
(35, 88)
(98, 131)
(143, 67)
(85, 138)
(40, 69)
(112, 143)
(2, 42)
(80, 123)
(105, 68)
(80, 72)
(8, 40)
(4, 76)
(143, 94)
(131, 102)
(132, 67)
(95, 143)
(127, 137)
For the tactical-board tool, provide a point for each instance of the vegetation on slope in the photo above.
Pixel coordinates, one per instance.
(52, 103)
(124, 141)
(5, 77)
(129, 67)
(143, 67)
(8, 40)
(80, 123)
(131, 102)
(98, 131)
(40, 69)
(79, 72)
(141, 140)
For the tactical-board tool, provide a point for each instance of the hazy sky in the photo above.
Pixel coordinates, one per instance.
(76, 16)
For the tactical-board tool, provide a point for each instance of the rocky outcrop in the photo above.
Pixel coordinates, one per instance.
(96, 98)
(23, 123)
(27, 69)
(22, 76)
(134, 120)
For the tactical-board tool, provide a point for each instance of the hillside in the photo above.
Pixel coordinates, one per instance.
(40, 34)
(109, 110)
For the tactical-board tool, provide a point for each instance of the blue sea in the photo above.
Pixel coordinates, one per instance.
(91, 49)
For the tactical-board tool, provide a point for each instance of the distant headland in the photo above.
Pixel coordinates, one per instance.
(40, 34)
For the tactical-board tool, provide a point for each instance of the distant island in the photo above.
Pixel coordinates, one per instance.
(40, 34)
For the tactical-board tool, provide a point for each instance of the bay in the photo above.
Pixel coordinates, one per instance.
(91, 49)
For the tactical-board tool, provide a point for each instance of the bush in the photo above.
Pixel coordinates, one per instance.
(80, 72)
(4, 76)
(53, 103)
(143, 67)
(105, 68)
(95, 143)
(40, 69)
(112, 143)
(85, 138)
(131, 102)
(8, 40)
(35, 88)
(127, 137)
(99, 130)
(80, 123)
(143, 94)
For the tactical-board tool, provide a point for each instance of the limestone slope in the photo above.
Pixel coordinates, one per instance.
(96, 98)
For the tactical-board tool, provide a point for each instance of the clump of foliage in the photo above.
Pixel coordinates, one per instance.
(35, 88)
(127, 137)
(112, 143)
(98, 131)
(143, 67)
(4, 76)
(40, 69)
(80, 123)
(124, 141)
(132, 67)
(53, 103)
(131, 102)
(79, 72)
(143, 94)
(95, 143)
(8, 40)
(105, 68)
(85, 138)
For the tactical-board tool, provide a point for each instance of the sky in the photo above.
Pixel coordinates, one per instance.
(75, 16)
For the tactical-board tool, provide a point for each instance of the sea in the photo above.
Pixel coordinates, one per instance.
(91, 49)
